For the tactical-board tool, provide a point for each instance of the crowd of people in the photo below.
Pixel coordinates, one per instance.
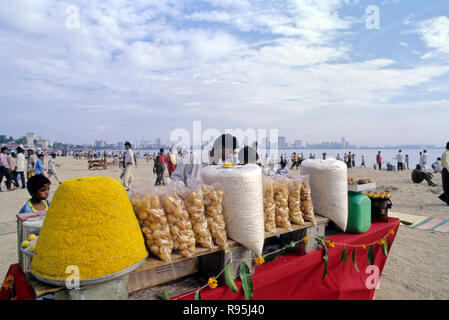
(15, 166)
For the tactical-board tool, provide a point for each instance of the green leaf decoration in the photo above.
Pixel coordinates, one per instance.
(389, 245)
(370, 255)
(230, 279)
(354, 260)
(247, 281)
(326, 261)
(197, 295)
(165, 295)
(320, 241)
(291, 244)
(344, 256)
(384, 249)
(407, 223)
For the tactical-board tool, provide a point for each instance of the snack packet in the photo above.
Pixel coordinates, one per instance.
(179, 222)
(280, 190)
(269, 207)
(294, 201)
(306, 200)
(213, 197)
(153, 223)
(193, 201)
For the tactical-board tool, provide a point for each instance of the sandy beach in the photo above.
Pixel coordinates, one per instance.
(418, 264)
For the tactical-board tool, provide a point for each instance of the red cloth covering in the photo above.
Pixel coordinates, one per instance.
(15, 285)
(293, 277)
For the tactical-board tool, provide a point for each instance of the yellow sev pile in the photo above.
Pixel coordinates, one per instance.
(90, 224)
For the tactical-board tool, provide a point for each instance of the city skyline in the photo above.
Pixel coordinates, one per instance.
(33, 140)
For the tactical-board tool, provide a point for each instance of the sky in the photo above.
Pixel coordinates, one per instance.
(374, 72)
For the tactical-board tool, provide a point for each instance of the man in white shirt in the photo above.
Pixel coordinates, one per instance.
(21, 166)
(129, 166)
(400, 158)
(52, 168)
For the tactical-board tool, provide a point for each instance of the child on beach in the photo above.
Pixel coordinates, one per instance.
(39, 168)
(39, 188)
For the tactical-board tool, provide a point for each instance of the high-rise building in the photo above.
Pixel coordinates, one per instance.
(298, 144)
(281, 143)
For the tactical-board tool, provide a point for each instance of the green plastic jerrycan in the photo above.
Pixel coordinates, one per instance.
(359, 213)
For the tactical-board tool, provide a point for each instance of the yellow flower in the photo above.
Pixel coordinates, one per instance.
(363, 246)
(381, 241)
(392, 232)
(306, 240)
(330, 243)
(212, 283)
(259, 260)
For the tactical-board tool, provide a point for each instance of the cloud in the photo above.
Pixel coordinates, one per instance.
(435, 34)
(149, 66)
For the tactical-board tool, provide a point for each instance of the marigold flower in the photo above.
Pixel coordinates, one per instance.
(212, 283)
(259, 260)
(330, 243)
(381, 241)
(306, 240)
(363, 246)
(392, 232)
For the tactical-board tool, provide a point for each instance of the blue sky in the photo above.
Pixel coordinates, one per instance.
(311, 69)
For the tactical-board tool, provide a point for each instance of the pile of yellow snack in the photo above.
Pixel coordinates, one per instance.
(91, 225)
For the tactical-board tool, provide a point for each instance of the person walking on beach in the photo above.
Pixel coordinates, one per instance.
(129, 164)
(4, 168)
(425, 158)
(163, 160)
(353, 160)
(400, 158)
(31, 163)
(52, 168)
(349, 163)
(12, 160)
(363, 162)
(171, 162)
(116, 162)
(20, 166)
(39, 168)
(445, 175)
(406, 163)
(379, 160)
(338, 157)
(345, 158)
(159, 171)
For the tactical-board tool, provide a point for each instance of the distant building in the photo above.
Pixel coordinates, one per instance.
(297, 144)
(281, 143)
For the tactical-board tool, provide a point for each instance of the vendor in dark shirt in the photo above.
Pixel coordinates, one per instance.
(418, 176)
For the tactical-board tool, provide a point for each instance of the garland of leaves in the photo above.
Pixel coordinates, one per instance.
(384, 242)
(245, 273)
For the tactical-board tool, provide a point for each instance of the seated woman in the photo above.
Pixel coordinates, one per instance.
(418, 176)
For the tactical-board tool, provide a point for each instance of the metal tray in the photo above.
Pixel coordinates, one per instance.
(362, 187)
(86, 282)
